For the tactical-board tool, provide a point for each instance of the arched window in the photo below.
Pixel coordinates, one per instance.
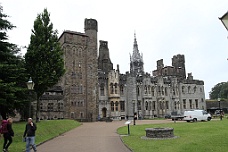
(162, 89)
(122, 90)
(152, 89)
(183, 88)
(195, 89)
(145, 89)
(138, 91)
(112, 106)
(146, 106)
(149, 89)
(167, 104)
(154, 105)
(166, 91)
(189, 89)
(116, 88)
(79, 52)
(111, 88)
(102, 89)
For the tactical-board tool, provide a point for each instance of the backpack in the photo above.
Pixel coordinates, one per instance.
(3, 127)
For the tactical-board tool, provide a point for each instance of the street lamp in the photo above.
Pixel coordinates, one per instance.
(220, 111)
(224, 20)
(30, 86)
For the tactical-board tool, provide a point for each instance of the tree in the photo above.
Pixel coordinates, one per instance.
(220, 90)
(44, 57)
(12, 72)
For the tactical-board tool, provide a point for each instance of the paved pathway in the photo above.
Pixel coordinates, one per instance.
(92, 137)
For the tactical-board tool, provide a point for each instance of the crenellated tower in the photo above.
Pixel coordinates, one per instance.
(91, 66)
(136, 60)
(104, 61)
(178, 62)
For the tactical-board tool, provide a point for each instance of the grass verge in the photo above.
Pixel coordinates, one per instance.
(192, 137)
(46, 130)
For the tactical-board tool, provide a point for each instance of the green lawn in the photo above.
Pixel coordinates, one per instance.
(192, 137)
(46, 129)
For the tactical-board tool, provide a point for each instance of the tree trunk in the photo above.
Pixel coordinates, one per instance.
(3, 112)
(38, 108)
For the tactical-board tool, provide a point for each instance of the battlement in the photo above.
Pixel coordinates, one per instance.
(103, 44)
(91, 24)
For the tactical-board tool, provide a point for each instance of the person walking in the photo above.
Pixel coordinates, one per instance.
(8, 134)
(29, 134)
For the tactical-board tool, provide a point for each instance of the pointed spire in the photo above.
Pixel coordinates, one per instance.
(136, 54)
(136, 60)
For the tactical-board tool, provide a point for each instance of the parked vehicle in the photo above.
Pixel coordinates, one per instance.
(177, 117)
(196, 115)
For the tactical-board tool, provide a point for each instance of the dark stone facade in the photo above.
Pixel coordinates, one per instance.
(92, 89)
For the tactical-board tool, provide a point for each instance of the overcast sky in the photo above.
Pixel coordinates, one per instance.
(163, 28)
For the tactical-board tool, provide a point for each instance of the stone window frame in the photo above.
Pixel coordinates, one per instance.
(122, 106)
(146, 105)
(197, 103)
(167, 104)
(184, 104)
(116, 106)
(112, 106)
(111, 88)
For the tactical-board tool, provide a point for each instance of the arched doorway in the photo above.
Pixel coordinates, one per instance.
(104, 112)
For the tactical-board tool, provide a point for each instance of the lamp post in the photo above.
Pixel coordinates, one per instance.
(134, 116)
(220, 111)
(30, 86)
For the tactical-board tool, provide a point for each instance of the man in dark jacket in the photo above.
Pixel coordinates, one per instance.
(30, 130)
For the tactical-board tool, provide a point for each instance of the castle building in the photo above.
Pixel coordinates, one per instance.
(92, 89)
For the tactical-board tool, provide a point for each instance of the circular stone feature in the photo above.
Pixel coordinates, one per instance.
(159, 132)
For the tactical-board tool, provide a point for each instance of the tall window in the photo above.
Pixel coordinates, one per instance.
(116, 106)
(102, 90)
(81, 89)
(166, 91)
(115, 88)
(138, 91)
(175, 105)
(183, 89)
(145, 89)
(111, 88)
(73, 89)
(154, 105)
(112, 106)
(196, 103)
(139, 105)
(122, 90)
(162, 89)
(184, 103)
(190, 103)
(122, 106)
(146, 106)
(152, 91)
(174, 92)
(167, 104)
(149, 90)
(189, 89)
(50, 106)
(195, 89)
